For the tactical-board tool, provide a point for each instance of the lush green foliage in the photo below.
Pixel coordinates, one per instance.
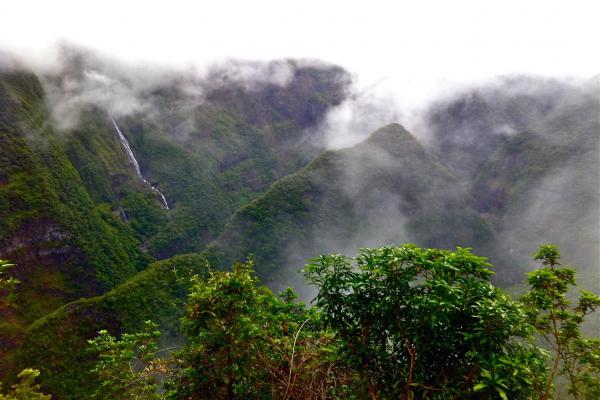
(126, 367)
(212, 157)
(244, 342)
(63, 244)
(574, 357)
(426, 323)
(317, 210)
(143, 214)
(56, 344)
(78, 222)
(395, 322)
(26, 388)
(8, 285)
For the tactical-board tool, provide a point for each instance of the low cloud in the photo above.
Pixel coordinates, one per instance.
(76, 79)
(362, 112)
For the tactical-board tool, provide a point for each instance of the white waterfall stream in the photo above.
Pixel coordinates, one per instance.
(131, 156)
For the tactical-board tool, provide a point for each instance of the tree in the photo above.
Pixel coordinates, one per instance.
(128, 368)
(394, 322)
(244, 342)
(559, 325)
(26, 388)
(427, 324)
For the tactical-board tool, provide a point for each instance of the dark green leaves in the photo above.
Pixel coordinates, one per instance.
(127, 367)
(559, 325)
(244, 342)
(8, 285)
(426, 323)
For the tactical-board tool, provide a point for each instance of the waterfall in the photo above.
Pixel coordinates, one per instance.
(131, 156)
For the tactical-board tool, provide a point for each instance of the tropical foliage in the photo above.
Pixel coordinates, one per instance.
(574, 357)
(426, 323)
(393, 323)
(25, 388)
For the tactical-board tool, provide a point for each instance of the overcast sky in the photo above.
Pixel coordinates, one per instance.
(416, 47)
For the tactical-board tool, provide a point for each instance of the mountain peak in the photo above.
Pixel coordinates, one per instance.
(392, 127)
(393, 130)
(392, 136)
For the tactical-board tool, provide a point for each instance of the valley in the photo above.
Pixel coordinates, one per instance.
(107, 214)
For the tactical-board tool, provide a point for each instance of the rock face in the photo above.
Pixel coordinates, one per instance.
(40, 248)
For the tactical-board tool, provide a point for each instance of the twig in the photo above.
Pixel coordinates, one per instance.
(292, 359)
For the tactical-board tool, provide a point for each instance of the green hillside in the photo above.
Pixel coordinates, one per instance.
(319, 198)
(504, 168)
(55, 344)
(65, 245)
(388, 189)
(77, 220)
(209, 155)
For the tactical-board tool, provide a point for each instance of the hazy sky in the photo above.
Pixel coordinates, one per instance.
(415, 47)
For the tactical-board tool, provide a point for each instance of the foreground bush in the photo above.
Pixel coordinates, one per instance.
(428, 324)
(393, 323)
(247, 343)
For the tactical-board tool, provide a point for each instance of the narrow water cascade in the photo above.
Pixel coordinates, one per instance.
(131, 157)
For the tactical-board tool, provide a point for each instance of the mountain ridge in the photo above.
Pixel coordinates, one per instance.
(244, 177)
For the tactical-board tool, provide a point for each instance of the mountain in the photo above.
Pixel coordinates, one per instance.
(65, 245)
(56, 343)
(529, 149)
(505, 168)
(89, 149)
(387, 189)
(469, 125)
(76, 218)
(210, 144)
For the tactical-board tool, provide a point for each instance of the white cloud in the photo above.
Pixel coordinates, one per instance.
(419, 48)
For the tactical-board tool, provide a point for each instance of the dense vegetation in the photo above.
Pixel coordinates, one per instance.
(63, 244)
(158, 293)
(394, 322)
(528, 149)
(241, 164)
(318, 209)
(75, 218)
(213, 154)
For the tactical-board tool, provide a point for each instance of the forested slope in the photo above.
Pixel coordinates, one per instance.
(388, 189)
(65, 245)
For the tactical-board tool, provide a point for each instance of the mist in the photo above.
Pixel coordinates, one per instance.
(461, 127)
(77, 79)
(524, 149)
(145, 143)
